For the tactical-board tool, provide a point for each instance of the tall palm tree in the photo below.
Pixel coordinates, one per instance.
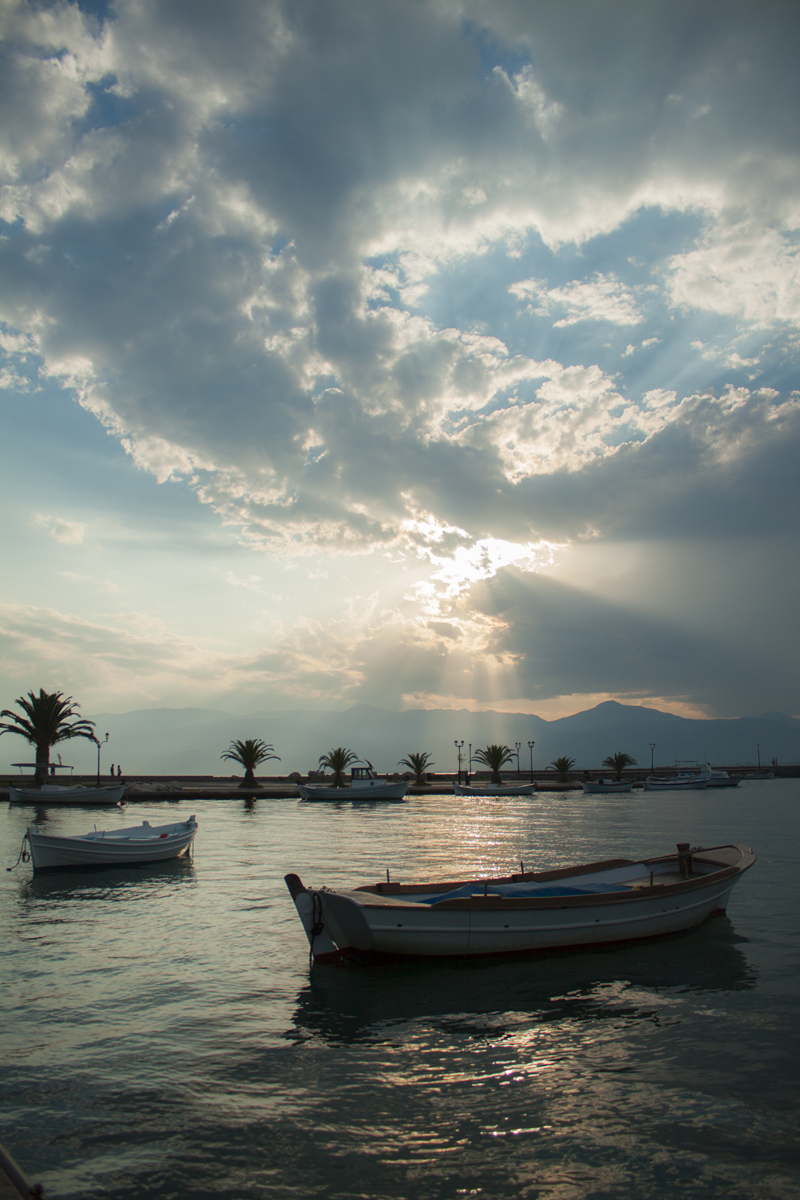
(338, 761)
(494, 757)
(249, 754)
(418, 763)
(618, 762)
(46, 723)
(563, 765)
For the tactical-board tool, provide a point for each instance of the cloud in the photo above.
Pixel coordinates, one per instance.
(70, 533)
(602, 298)
(366, 277)
(742, 270)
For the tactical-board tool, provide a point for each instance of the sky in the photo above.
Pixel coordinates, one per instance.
(428, 353)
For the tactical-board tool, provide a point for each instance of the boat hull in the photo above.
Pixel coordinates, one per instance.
(561, 913)
(53, 794)
(369, 790)
(674, 785)
(504, 789)
(113, 848)
(597, 789)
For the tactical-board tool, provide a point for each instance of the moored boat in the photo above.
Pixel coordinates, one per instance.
(57, 793)
(491, 789)
(365, 785)
(140, 844)
(674, 783)
(598, 786)
(719, 778)
(593, 904)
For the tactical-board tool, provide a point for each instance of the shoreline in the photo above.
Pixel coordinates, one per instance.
(141, 788)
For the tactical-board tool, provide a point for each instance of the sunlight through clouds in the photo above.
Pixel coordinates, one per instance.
(401, 306)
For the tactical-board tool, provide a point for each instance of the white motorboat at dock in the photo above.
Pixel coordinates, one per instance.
(135, 846)
(590, 905)
(364, 785)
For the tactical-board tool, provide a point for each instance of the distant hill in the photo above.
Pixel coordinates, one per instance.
(189, 741)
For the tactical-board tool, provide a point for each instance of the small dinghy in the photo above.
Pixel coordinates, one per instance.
(143, 843)
(491, 789)
(595, 904)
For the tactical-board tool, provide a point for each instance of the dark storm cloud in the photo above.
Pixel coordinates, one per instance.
(565, 641)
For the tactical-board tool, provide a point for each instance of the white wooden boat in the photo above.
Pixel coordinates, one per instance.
(143, 843)
(595, 904)
(598, 786)
(57, 793)
(494, 789)
(365, 785)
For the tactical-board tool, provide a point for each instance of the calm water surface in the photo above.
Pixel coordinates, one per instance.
(162, 1035)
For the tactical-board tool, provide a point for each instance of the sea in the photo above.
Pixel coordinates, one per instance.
(163, 1035)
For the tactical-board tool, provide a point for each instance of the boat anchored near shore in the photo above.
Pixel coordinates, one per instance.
(59, 793)
(365, 785)
(136, 846)
(589, 905)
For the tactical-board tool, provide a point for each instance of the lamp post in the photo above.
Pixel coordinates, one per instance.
(652, 748)
(99, 744)
(469, 768)
(530, 747)
(459, 747)
(518, 744)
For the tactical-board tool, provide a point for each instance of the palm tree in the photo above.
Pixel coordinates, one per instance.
(418, 763)
(563, 765)
(249, 754)
(494, 757)
(46, 723)
(338, 761)
(618, 762)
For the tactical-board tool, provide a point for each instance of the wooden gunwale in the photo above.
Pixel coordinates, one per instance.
(590, 900)
(610, 864)
(625, 895)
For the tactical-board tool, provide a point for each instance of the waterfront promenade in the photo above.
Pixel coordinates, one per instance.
(275, 787)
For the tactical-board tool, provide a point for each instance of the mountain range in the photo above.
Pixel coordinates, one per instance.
(189, 741)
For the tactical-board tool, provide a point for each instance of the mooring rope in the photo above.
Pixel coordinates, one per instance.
(24, 855)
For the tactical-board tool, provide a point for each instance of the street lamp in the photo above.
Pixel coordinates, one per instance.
(459, 747)
(469, 769)
(518, 744)
(99, 744)
(652, 748)
(530, 747)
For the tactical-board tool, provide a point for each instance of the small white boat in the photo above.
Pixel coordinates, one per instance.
(143, 843)
(494, 789)
(598, 786)
(57, 793)
(364, 785)
(595, 904)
